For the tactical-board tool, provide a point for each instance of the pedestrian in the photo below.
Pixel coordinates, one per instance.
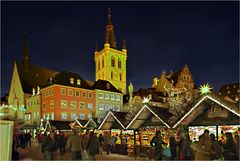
(61, 143)
(101, 143)
(157, 143)
(186, 152)
(108, 142)
(93, 145)
(74, 143)
(203, 147)
(216, 149)
(28, 138)
(113, 143)
(173, 147)
(229, 149)
(236, 142)
(50, 146)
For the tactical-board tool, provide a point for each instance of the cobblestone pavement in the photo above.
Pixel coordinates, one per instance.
(34, 153)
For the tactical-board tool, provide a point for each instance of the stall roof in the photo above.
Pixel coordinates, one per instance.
(60, 125)
(113, 119)
(144, 114)
(198, 105)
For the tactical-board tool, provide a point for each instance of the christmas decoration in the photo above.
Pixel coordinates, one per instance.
(205, 89)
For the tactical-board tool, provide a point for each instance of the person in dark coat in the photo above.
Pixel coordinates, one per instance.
(93, 145)
(215, 148)
(229, 149)
(61, 143)
(157, 143)
(187, 151)
(101, 142)
(28, 138)
(173, 147)
(50, 146)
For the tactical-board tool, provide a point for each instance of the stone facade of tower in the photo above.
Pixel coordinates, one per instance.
(110, 63)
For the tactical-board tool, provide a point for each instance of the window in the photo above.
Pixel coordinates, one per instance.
(89, 95)
(78, 82)
(71, 81)
(44, 116)
(101, 107)
(70, 92)
(52, 104)
(98, 65)
(89, 116)
(46, 93)
(120, 76)
(34, 114)
(44, 106)
(63, 103)
(112, 97)
(37, 115)
(74, 116)
(34, 103)
(49, 92)
(73, 104)
(111, 75)
(64, 116)
(48, 116)
(90, 105)
(117, 98)
(37, 101)
(119, 64)
(113, 62)
(52, 116)
(63, 91)
(106, 107)
(101, 95)
(82, 105)
(28, 104)
(83, 94)
(77, 93)
(107, 96)
(82, 116)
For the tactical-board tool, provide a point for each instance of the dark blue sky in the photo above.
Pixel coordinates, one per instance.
(62, 36)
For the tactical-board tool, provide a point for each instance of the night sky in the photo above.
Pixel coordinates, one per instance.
(62, 36)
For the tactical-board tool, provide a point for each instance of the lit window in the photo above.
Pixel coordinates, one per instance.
(52, 103)
(113, 62)
(102, 62)
(48, 116)
(44, 106)
(77, 93)
(107, 96)
(78, 82)
(82, 105)
(89, 95)
(117, 98)
(101, 107)
(119, 64)
(90, 105)
(63, 103)
(73, 104)
(120, 76)
(82, 116)
(49, 92)
(111, 75)
(236, 98)
(70, 92)
(63, 91)
(101, 95)
(74, 116)
(83, 94)
(107, 107)
(71, 81)
(44, 116)
(112, 97)
(52, 116)
(64, 116)
(37, 101)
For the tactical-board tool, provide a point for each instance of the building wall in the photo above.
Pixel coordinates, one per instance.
(105, 71)
(105, 102)
(53, 94)
(33, 104)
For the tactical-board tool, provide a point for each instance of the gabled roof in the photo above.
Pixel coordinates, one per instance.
(233, 108)
(60, 125)
(232, 88)
(105, 85)
(63, 78)
(144, 114)
(113, 119)
(32, 76)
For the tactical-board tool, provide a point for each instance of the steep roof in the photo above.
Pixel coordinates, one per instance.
(32, 76)
(105, 85)
(230, 90)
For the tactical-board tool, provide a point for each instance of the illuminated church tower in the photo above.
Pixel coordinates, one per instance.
(111, 63)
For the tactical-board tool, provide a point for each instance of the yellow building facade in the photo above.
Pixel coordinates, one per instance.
(110, 63)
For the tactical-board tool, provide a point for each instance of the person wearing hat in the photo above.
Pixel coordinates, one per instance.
(74, 143)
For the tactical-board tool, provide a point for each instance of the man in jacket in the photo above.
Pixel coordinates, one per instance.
(74, 143)
(50, 146)
(157, 143)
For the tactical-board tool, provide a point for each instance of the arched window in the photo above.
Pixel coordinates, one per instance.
(120, 76)
(119, 64)
(98, 65)
(78, 82)
(102, 62)
(113, 62)
(111, 75)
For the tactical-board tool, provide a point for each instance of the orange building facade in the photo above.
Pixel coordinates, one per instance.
(61, 102)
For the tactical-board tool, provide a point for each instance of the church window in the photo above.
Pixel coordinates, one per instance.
(119, 64)
(120, 76)
(98, 65)
(102, 62)
(111, 75)
(113, 62)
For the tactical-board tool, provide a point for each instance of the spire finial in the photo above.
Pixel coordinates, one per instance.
(109, 16)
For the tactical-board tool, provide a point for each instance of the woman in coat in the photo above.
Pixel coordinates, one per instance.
(93, 146)
(187, 151)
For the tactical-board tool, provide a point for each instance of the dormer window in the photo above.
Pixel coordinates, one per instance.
(78, 82)
(108, 86)
(71, 81)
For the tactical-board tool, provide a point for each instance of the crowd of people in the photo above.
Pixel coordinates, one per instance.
(206, 148)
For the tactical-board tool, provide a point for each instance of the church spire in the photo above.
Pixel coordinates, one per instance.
(25, 50)
(109, 37)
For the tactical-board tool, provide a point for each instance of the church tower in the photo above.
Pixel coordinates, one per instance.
(110, 62)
